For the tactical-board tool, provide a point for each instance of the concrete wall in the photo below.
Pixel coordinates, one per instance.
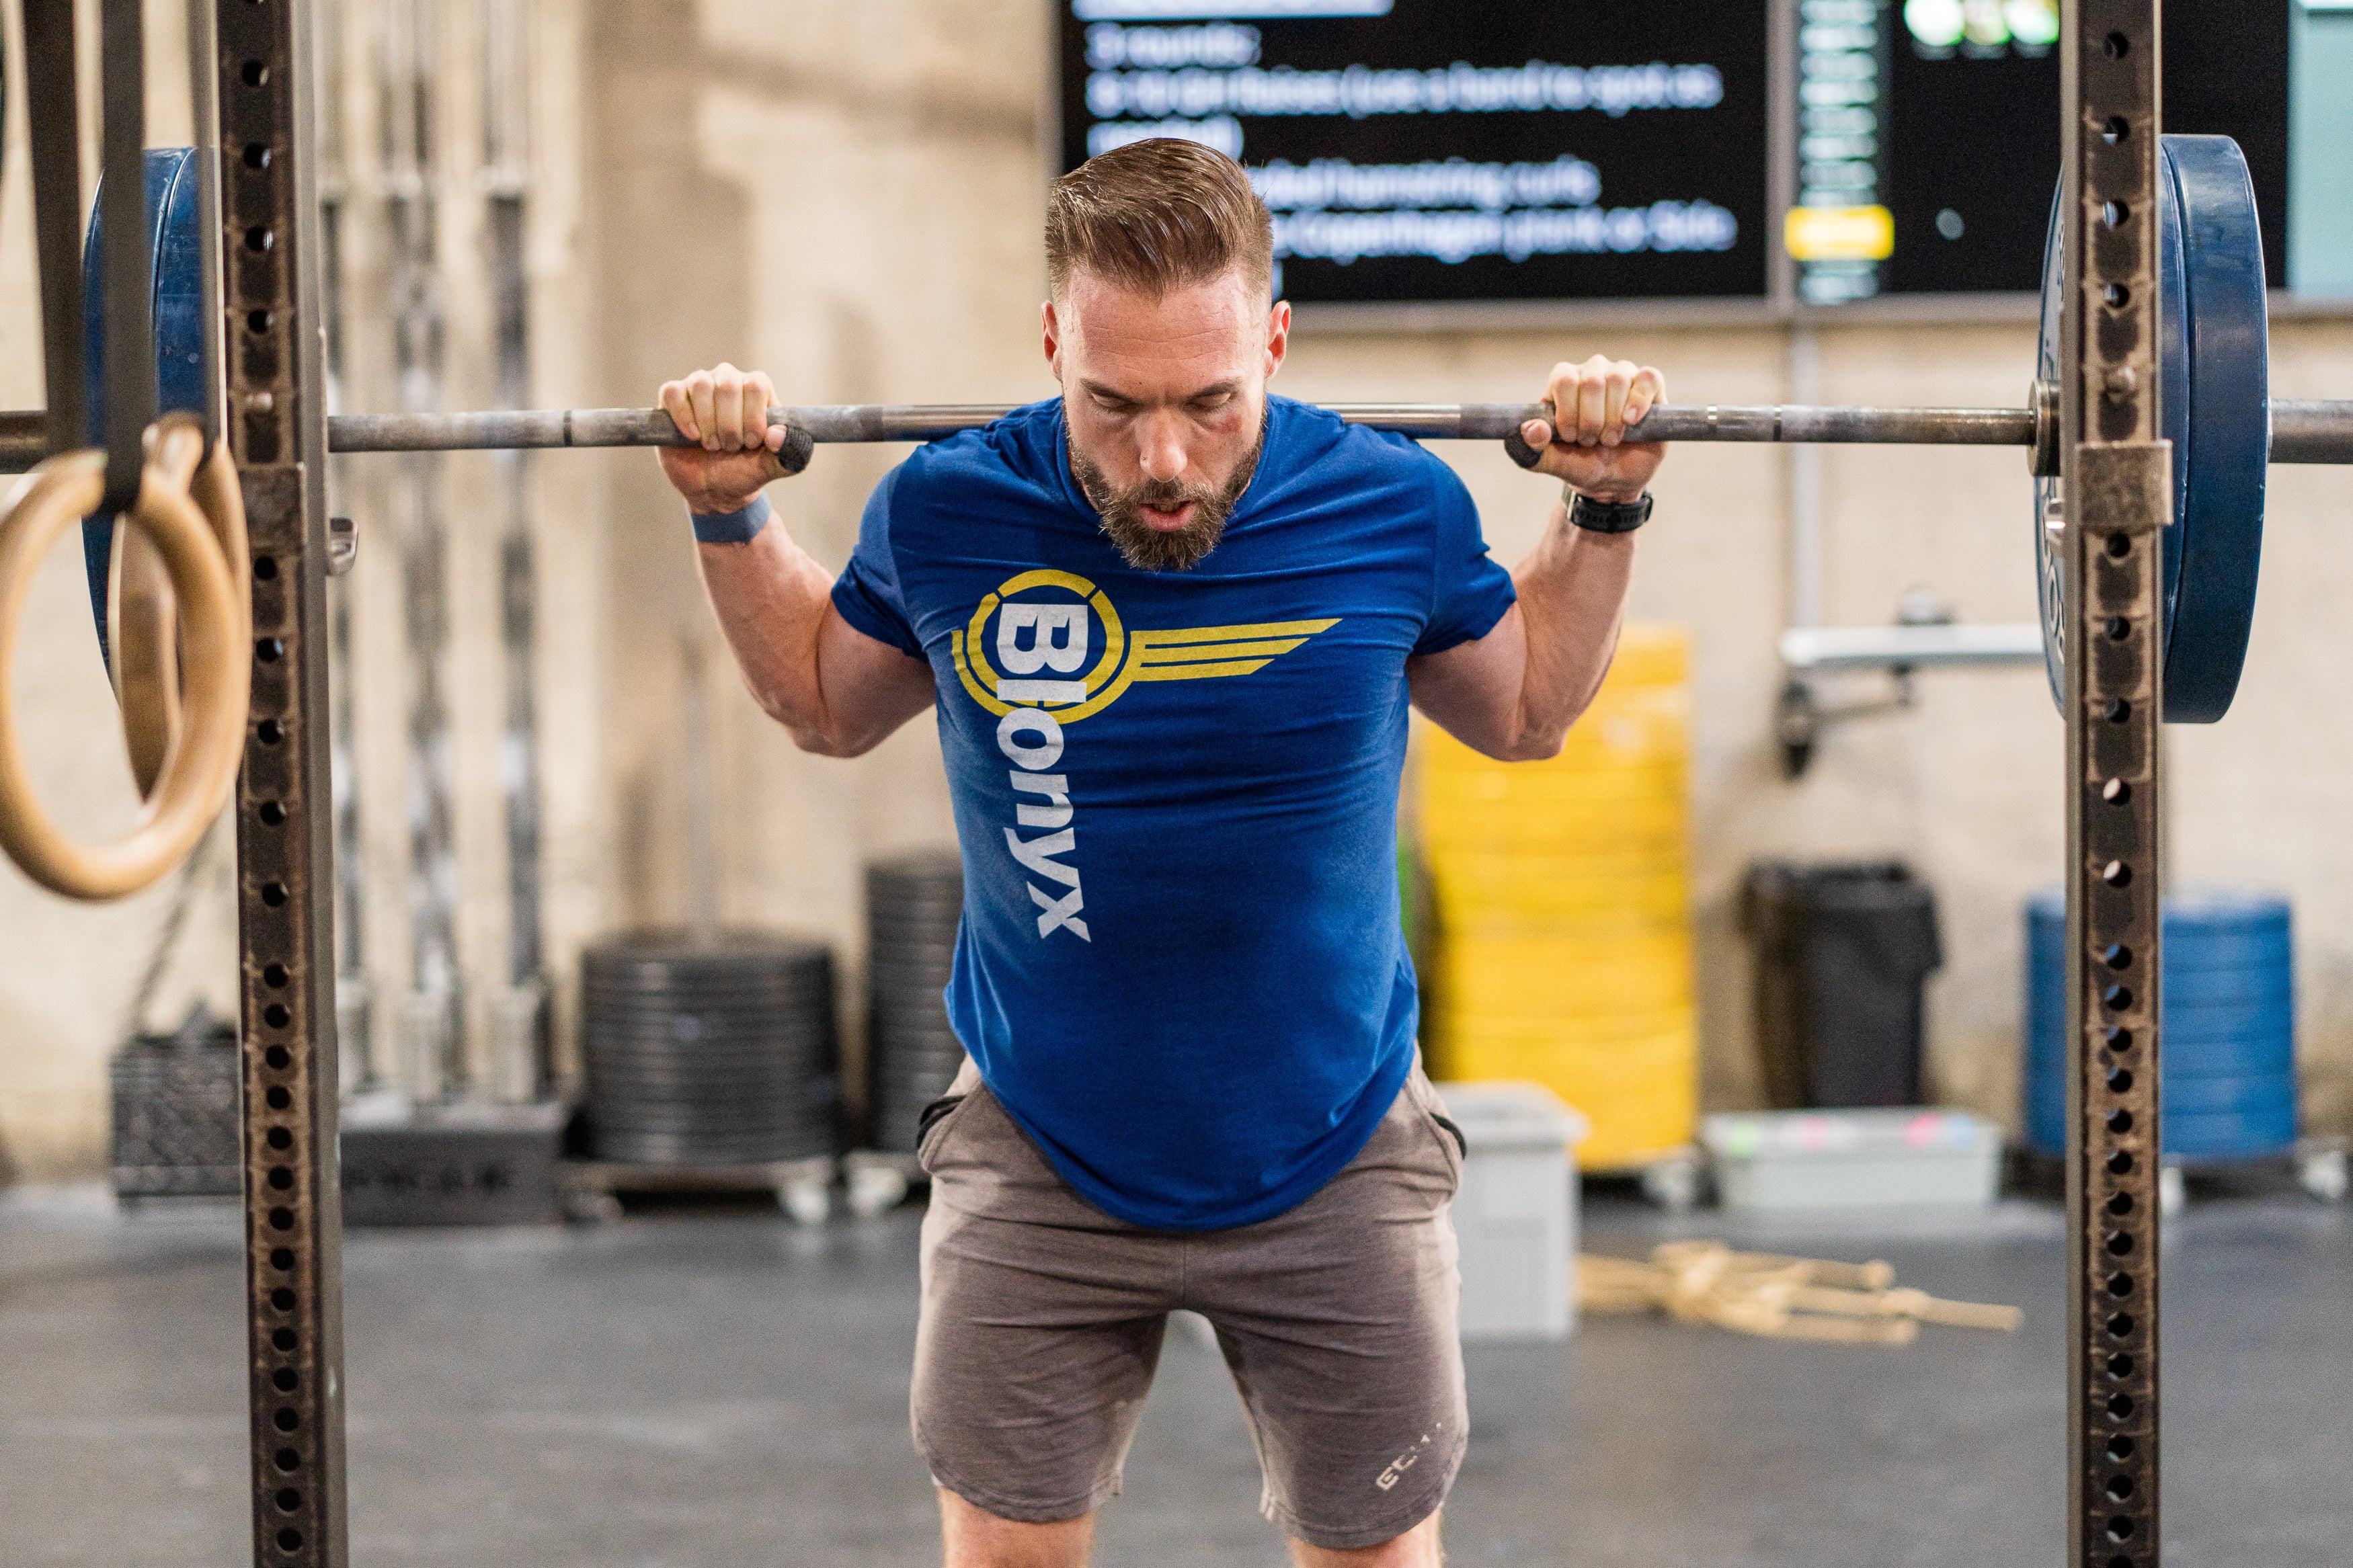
(852, 202)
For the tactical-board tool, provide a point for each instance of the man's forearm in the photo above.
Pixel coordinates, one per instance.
(1572, 589)
(773, 600)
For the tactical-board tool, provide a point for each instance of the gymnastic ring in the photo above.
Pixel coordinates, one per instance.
(200, 768)
(142, 627)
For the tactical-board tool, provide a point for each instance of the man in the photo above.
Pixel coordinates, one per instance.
(1173, 626)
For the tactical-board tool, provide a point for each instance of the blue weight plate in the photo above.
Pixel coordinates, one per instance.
(2224, 1135)
(2199, 1019)
(2213, 346)
(173, 221)
(2255, 990)
(2259, 1095)
(2224, 1056)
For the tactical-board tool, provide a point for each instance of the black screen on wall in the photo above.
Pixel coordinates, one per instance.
(1972, 140)
(1456, 150)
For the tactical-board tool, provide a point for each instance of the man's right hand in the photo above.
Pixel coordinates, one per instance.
(726, 411)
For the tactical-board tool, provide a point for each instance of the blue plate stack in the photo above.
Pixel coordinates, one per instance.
(2229, 1026)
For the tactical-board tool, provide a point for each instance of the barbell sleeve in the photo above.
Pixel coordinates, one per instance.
(2302, 431)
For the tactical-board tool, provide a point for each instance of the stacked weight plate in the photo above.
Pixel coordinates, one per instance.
(912, 905)
(1560, 943)
(2227, 1019)
(702, 1053)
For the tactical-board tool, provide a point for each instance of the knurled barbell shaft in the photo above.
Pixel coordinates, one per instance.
(2302, 432)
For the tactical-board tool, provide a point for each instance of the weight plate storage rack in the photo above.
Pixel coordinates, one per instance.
(912, 905)
(708, 1051)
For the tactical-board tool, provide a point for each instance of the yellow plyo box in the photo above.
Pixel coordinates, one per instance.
(1560, 947)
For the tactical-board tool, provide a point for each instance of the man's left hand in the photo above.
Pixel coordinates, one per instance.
(1586, 443)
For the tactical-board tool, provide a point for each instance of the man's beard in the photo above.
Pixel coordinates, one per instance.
(1150, 548)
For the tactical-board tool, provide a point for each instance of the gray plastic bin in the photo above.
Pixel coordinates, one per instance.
(1516, 1215)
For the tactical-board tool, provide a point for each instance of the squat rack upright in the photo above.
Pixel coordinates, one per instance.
(2118, 479)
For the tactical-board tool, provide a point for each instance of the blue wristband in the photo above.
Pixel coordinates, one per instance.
(732, 527)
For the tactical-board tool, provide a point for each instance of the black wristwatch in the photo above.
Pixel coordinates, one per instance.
(1607, 516)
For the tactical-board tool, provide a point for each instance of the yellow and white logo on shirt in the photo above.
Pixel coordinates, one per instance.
(1041, 673)
(1038, 656)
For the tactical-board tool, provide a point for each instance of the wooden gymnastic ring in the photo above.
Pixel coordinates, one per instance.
(200, 769)
(143, 628)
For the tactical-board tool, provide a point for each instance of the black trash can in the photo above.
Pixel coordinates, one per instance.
(1841, 952)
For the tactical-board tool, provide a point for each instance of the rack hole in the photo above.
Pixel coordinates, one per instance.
(2120, 1447)
(286, 1420)
(2120, 1081)
(273, 894)
(2120, 1285)
(2116, 295)
(2117, 628)
(272, 813)
(2115, 711)
(2121, 1562)
(282, 1178)
(259, 322)
(2120, 1123)
(2121, 1406)
(2120, 1245)
(253, 73)
(285, 1379)
(281, 1258)
(278, 1097)
(269, 732)
(2116, 130)
(2120, 1365)
(281, 1138)
(260, 238)
(2120, 1326)
(2120, 1527)
(2114, 214)
(279, 1059)
(288, 1499)
(281, 1219)
(282, 1340)
(274, 976)
(2119, 546)
(276, 1016)
(266, 649)
(2118, 1038)
(265, 567)
(2116, 792)
(287, 1461)
(2116, 955)
(2116, 998)
(283, 1300)
(2121, 1205)
(257, 157)
(2116, 45)
(2120, 1164)
(290, 1540)
(2116, 874)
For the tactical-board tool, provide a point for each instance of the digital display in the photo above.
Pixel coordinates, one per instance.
(1417, 151)
(1928, 135)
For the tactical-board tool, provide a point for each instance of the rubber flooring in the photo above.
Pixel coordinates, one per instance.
(709, 1389)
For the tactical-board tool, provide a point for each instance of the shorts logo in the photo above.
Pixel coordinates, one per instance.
(1045, 626)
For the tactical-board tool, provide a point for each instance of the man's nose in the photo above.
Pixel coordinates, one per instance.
(1160, 448)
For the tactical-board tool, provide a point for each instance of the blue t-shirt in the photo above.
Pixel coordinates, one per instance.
(1180, 968)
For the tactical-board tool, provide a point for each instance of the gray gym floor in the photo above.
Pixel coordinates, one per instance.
(721, 1389)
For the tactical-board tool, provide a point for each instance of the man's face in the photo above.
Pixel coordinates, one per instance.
(1166, 398)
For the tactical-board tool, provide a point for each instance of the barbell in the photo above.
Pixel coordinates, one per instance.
(2224, 426)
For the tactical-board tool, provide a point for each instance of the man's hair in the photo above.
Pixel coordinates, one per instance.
(1157, 216)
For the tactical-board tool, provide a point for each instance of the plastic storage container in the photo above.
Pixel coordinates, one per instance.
(1852, 1159)
(2227, 1089)
(1516, 1213)
(1842, 953)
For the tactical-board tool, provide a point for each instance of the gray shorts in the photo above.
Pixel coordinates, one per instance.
(1042, 1320)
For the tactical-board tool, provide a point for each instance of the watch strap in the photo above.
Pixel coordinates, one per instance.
(1607, 517)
